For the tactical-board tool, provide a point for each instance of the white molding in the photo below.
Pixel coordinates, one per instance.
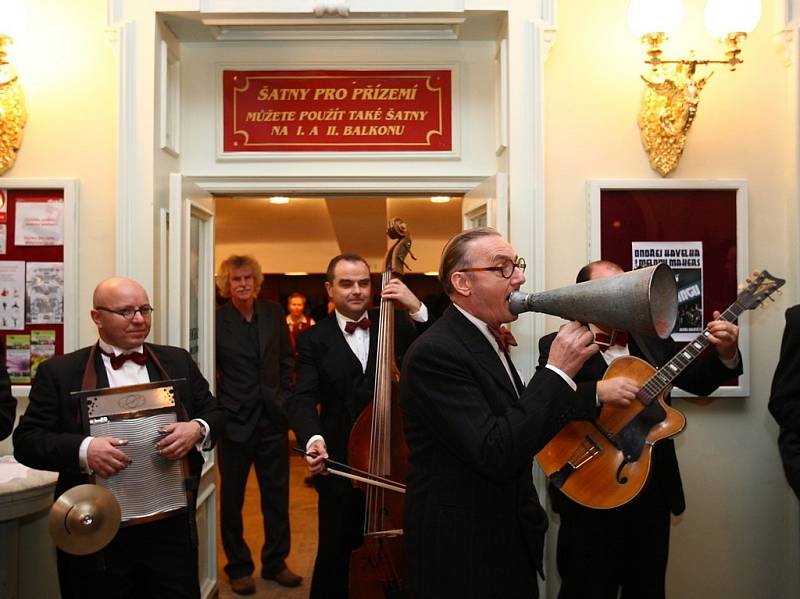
(501, 96)
(455, 113)
(163, 278)
(548, 12)
(594, 187)
(176, 244)
(169, 100)
(126, 151)
(71, 190)
(273, 185)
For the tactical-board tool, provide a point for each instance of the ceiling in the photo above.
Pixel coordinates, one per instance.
(306, 233)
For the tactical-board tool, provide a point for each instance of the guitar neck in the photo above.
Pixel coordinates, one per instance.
(666, 374)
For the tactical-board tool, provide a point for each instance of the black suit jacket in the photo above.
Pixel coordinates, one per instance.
(8, 405)
(50, 432)
(330, 375)
(248, 386)
(784, 400)
(701, 377)
(473, 523)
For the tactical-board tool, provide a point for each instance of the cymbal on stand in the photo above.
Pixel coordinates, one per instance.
(84, 519)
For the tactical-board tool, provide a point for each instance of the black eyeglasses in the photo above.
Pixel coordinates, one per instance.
(129, 313)
(506, 270)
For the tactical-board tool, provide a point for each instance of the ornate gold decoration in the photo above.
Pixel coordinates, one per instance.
(671, 97)
(12, 110)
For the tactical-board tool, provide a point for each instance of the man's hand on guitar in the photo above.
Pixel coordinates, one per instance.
(573, 345)
(724, 337)
(618, 391)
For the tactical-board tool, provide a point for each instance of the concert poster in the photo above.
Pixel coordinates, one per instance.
(685, 258)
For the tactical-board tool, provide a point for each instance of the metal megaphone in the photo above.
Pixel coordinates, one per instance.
(640, 301)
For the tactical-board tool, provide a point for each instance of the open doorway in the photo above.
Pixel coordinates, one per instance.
(293, 238)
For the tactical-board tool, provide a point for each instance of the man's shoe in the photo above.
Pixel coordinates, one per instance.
(286, 578)
(243, 586)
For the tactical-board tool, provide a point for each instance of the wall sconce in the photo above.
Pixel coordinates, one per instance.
(672, 88)
(12, 110)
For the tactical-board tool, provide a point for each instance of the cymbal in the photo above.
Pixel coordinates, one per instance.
(84, 519)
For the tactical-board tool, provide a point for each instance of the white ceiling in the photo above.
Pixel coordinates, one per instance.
(306, 233)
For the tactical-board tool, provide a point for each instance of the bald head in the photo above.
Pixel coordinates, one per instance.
(114, 297)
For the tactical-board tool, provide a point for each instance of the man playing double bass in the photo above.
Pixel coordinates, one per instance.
(602, 550)
(336, 369)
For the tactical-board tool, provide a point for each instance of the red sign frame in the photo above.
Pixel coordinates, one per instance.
(337, 111)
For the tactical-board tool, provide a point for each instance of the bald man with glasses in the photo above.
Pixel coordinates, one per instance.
(158, 558)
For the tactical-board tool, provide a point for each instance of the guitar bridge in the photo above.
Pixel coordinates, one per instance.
(587, 449)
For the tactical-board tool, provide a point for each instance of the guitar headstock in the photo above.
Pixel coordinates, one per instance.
(759, 287)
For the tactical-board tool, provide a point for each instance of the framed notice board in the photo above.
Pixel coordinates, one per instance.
(38, 256)
(698, 227)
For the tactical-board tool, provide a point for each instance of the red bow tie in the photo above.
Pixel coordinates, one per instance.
(503, 336)
(617, 337)
(352, 325)
(118, 361)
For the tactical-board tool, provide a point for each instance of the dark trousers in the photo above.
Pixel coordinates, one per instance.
(157, 559)
(602, 551)
(341, 525)
(268, 451)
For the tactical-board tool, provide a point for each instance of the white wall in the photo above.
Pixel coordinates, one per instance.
(739, 535)
(475, 68)
(67, 67)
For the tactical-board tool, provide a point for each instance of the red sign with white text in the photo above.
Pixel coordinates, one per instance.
(337, 111)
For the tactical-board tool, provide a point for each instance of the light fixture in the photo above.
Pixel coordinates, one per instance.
(296, 273)
(13, 114)
(440, 199)
(672, 87)
(279, 200)
(431, 273)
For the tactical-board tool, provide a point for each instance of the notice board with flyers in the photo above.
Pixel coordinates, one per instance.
(37, 271)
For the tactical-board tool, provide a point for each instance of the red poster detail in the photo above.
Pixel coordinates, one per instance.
(337, 111)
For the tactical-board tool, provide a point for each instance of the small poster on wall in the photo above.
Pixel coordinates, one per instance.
(12, 295)
(18, 358)
(686, 260)
(39, 222)
(43, 347)
(45, 292)
(3, 237)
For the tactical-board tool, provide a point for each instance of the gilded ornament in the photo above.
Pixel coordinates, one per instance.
(12, 110)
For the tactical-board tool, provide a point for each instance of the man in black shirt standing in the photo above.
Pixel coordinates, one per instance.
(254, 363)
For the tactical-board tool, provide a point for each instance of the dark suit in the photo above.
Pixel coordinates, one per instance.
(8, 405)
(49, 436)
(784, 400)
(255, 362)
(473, 523)
(591, 543)
(331, 376)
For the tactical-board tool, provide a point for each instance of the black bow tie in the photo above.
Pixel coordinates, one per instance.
(118, 361)
(352, 325)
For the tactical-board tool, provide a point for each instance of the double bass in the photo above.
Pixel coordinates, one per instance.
(377, 447)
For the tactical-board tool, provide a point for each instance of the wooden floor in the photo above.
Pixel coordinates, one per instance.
(303, 518)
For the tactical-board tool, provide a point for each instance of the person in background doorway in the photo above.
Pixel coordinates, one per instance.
(254, 364)
(296, 319)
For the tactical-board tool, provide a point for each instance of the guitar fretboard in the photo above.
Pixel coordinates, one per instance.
(667, 373)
